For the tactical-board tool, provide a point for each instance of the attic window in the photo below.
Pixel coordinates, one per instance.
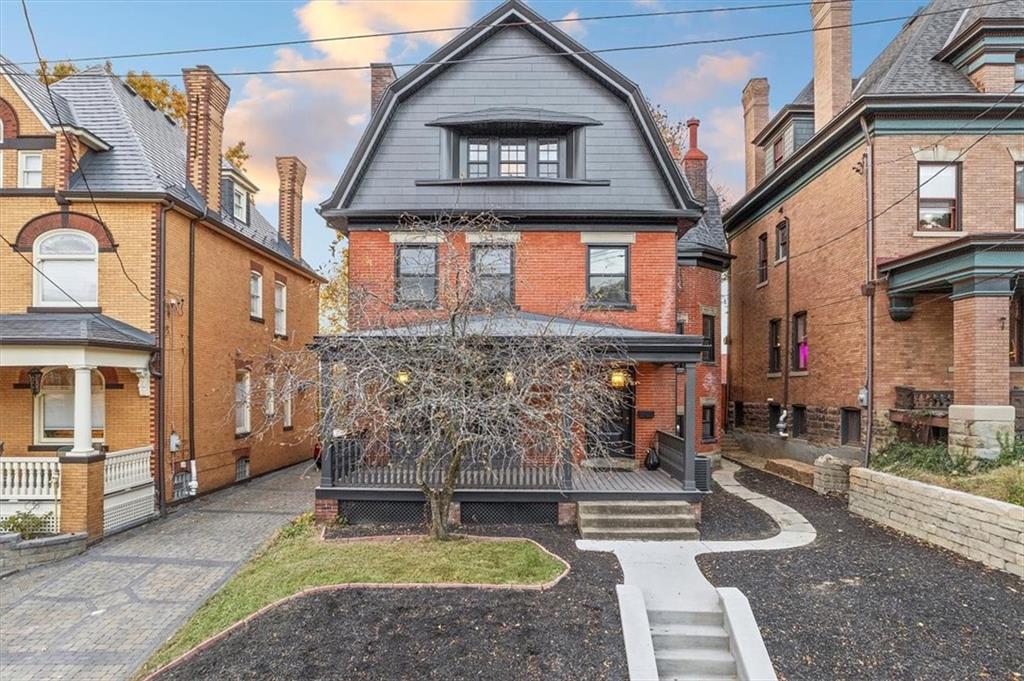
(240, 204)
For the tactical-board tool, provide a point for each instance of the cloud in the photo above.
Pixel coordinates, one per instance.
(318, 116)
(711, 73)
(570, 24)
(722, 139)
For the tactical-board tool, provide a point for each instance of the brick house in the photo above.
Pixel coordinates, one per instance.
(126, 324)
(564, 150)
(876, 290)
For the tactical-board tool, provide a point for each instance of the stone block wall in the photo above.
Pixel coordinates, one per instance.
(985, 530)
(18, 554)
(832, 474)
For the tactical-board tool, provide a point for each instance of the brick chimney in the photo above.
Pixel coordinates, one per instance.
(381, 76)
(832, 59)
(755, 117)
(695, 164)
(291, 173)
(207, 101)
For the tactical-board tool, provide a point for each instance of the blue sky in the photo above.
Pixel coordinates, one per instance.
(319, 116)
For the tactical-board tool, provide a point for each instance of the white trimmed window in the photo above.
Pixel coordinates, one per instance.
(243, 402)
(939, 188)
(240, 205)
(30, 169)
(255, 294)
(280, 309)
(286, 405)
(55, 407)
(67, 269)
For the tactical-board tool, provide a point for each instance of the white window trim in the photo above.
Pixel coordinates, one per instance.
(37, 414)
(246, 425)
(22, 155)
(235, 195)
(256, 302)
(37, 258)
(281, 313)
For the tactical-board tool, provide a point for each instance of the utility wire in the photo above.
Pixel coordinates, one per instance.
(71, 146)
(568, 53)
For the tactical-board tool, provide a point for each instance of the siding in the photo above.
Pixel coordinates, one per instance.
(410, 150)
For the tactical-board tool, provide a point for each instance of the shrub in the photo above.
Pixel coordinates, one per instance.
(300, 527)
(933, 458)
(27, 524)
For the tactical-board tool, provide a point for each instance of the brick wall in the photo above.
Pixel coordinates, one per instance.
(698, 294)
(985, 530)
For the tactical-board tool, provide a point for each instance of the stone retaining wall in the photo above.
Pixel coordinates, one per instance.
(18, 554)
(985, 530)
(832, 474)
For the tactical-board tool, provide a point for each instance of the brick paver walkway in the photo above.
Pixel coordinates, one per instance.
(101, 614)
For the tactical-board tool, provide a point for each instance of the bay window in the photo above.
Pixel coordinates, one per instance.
(67, 269)
(938, 193)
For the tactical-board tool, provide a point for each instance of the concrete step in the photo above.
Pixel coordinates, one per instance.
(796, 471)
(693, 661)
(595, 521)
(639, 533)
(700, 676)
(674, 636)
(634, 507)
(659, 618)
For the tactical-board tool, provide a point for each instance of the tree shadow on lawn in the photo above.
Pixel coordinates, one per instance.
(864, 602)
(571, 631)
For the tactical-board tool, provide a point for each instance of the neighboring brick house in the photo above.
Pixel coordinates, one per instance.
(876, 289)
(564, 150)
(123, 351)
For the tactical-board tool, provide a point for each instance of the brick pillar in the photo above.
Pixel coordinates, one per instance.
(325, 510)
(291, 173)
(566, 513)
(382, 75)
(81, 494)
(981, 410)
(207, 101)
(755, 117)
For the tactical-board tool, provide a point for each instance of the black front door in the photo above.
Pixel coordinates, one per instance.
(616, 432)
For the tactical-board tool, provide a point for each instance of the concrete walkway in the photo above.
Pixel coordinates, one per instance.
(667, 571)
(101, 614)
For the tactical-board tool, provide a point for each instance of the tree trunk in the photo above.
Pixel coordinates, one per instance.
(439, 505)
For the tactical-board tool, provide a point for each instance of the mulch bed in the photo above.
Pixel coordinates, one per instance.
(726, 517)
(863, 602)
(571, 631)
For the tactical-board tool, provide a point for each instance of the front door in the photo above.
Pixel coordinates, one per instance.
(616, 432)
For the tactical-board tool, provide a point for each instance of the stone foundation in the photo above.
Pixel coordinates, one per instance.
(832, 474)
(974, 430)
(18, 554)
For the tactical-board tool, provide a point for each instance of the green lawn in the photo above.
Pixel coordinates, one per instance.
(296, 559)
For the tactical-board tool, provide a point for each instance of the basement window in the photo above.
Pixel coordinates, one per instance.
(242, 469)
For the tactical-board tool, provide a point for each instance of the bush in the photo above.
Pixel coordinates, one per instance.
(934, 458)
(27, 524)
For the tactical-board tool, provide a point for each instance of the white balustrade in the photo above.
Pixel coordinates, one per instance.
(128, 490)
(127, 468)
(28, 477)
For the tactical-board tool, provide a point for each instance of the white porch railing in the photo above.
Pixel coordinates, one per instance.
(128, 490)
(32, 484)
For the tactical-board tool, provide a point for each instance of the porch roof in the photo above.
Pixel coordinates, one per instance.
(641, 346)
(977, 264)
(71, 328)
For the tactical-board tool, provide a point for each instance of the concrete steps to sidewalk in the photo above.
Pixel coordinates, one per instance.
(643, 520)
(691, 644)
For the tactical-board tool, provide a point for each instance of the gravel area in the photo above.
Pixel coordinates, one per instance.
(569, 632)
(726, 517)
(863, 602)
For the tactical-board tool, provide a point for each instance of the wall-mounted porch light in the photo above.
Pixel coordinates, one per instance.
(619, 378)
(403, 376)
(35, 380)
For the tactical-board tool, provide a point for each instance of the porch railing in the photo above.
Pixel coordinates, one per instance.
(30, 484)
(694, 472)
(128, 490)
(908, 397)
(127, 468)
(348, 464)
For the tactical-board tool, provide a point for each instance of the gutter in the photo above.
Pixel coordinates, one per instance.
(869, 286)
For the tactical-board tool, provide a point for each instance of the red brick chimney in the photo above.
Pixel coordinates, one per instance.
(695, 164)
(292, 173)
(755, 117)
(832, 59)
(382, 75)
(207, 101)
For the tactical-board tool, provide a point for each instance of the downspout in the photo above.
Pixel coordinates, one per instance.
(788, 351)
(191, 339)
(869, 286)
(161, 459)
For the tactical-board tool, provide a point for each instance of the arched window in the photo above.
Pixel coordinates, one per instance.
(67, 262)
(55, 407)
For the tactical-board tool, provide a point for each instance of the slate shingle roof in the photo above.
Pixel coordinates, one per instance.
(59, 328)
(708, 232)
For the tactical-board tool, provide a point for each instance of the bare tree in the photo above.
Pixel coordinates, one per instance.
(455, 381)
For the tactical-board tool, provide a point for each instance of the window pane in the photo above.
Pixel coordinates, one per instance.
(33, 162)
(940, 178)
(416, 260)
(416, 289)
(935, 214)
(610, 289)
(478, 151)
(491, 261)
(608, 260)
(76, 277)
(67, 244)
(513, 159)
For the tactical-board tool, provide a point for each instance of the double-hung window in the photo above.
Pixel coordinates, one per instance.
(255, 295)
(778, 152)
(1018, 191)
(492, 275)
(286, 404)
(478, 159)
(938, 190)
(801, 350)
(708, 331)
(280, 308)
(782, 241)
(762, 258)
(774, 346)
(1017, 330)
(243, 403)
(240, 205)
(608, 275)
(547, 158)
(270, 401)
(707, 422)
(417, 275)
(30, 169)
(512, 158)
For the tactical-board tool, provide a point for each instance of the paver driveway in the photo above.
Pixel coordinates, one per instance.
(101, 614)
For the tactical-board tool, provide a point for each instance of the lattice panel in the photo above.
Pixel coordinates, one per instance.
(40, 508)
(127, 508)
(504, 513)
(369, 512)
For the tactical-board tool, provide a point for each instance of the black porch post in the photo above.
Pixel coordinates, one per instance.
(690, 431)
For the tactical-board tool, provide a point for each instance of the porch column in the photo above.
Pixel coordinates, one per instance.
(981, 412)
(691, 426)
(83, 410)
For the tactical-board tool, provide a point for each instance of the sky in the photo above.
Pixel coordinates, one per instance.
(320, 116)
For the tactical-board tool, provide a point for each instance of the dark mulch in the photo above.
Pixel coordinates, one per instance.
(569, 632)
(863, 602)
(726, 517)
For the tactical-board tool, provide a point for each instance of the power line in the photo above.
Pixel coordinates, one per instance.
(569, 53)
(71, 146)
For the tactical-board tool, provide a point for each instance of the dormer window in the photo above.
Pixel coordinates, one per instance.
(477, 163)
(547, 158)
(240, 204)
